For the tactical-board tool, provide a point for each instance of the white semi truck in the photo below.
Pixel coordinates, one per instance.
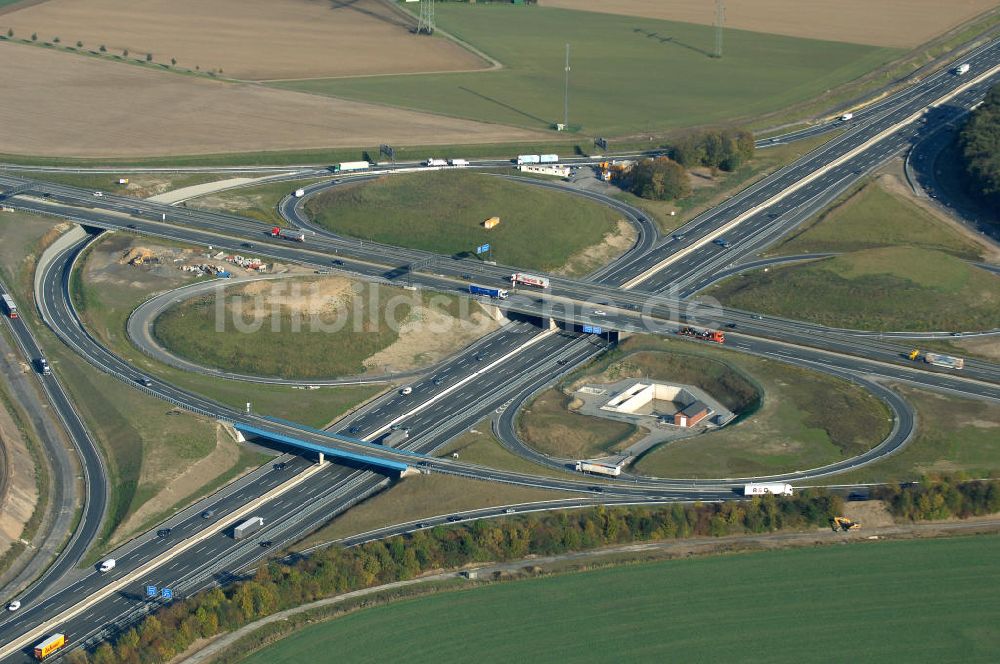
(248, 528)
(764, 488)
(529, 280)
(598, 468)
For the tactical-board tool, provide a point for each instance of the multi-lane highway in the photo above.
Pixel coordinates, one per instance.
(502, 371)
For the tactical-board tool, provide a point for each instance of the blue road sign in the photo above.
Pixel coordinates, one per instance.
(482, 249)
(167, 593)
(150, 591)
(592, 329)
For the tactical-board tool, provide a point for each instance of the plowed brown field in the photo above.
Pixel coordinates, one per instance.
(61, 104)
(249, 39)
(895, 23)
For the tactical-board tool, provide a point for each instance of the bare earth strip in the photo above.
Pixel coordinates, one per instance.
(894, 23)
(59, 104)
(249, 39)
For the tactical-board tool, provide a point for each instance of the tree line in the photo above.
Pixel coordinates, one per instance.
(979, 142)
(279, 585)
(943, 498)
(666, 177)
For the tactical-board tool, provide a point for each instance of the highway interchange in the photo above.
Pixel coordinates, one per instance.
(499, 373)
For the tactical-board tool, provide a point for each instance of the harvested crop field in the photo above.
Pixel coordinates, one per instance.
(59, 104)
(250, 39)
(895, 23)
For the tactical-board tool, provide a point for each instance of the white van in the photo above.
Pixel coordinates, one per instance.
(107, 565)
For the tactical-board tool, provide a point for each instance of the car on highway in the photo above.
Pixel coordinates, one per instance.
(208, 514)
(438, 380)
(132, 226)
(422, 524)
(453, 518)
(42, 366)
(247, 245)
(266, 543)
(98, 194)
(731, 326)
(406, 390)
(597, 489)
(722, 242)
(479, 357)
(146, 381)
(756, 317)
(14, 606)
(467, 277)
(163, 532)
(599, 312)
(281, 465)
(354, 429)
(678, 237)
(337, 261)
(509, 510)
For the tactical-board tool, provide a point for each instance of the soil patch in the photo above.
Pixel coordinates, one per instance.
(114, 106)
(897, 23)
(178, 486)
(250, 39)
(17, 482)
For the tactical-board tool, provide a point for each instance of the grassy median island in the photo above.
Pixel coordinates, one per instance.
(259, 201)
(105, 291)
(898, 268)
(444, 212)
(318, 327)
(954, 435)
(787, 418)
(696, 609)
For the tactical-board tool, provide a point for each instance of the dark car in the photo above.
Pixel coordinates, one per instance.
(337, 261)
(163, 532)
(146, 381)
(423, 525)
(247, 245)
(132, 226)
(208, 514)
(479, 357)
(266, 543)
(597, 489)
(467, 277)
(354, 429)
(438, 380)
(731, 326)
(280, 465)
(454, 517)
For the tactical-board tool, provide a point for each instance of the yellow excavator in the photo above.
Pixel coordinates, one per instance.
(842, 523)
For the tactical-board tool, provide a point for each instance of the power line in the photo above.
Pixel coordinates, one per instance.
(425, 24)
(566, 93)
(720, 20)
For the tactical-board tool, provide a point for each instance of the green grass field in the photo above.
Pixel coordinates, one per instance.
(105, 305)
(954, 435)
(365, 319)
(444, 213)
(143, 185)
(916, 601)
(257, 202)
(872, 217)
(804, 419)
(889, 288)
(661, 72)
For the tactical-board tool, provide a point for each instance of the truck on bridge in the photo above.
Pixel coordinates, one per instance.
(288, 234)
(529, 280)
(598, 468)
(702, 335)
(764, 488)
(495, 293)
(9, 307)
